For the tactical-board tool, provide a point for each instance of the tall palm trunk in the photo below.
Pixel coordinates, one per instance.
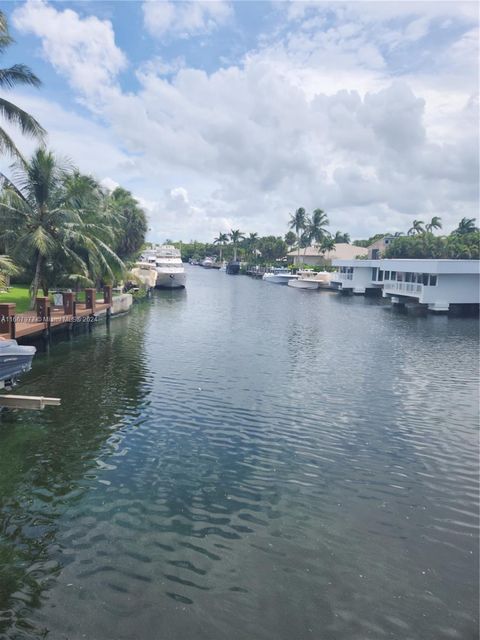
(234, 252)
(36, 279)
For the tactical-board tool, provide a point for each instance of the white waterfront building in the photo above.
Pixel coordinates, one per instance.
(435, 283)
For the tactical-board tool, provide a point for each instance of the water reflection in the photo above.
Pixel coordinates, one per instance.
(48, 460)
(252, 463)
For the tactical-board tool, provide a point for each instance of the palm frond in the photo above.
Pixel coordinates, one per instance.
(27, 123)
(18, 74)
(7, 146)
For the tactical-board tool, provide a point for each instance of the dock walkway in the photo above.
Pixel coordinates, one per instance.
(46, 317)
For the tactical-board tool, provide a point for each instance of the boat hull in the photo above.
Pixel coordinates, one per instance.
(14, 360)
(171, 280)
(276, 278)
(304, 284)
(233, 268)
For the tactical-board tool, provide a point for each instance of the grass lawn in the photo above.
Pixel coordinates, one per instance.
(18, 294)
(21, 296)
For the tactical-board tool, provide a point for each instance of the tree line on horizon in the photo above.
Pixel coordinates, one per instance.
(306, 231)
(58, 227)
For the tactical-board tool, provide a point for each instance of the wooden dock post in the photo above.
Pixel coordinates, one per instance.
(90, 299)
(7, 319)
(41, 307)
(107, 299)
(68, 300)
(90, 303)
(107, 294)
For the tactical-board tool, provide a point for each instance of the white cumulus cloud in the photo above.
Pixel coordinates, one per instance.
(185, 18)
(315, 116)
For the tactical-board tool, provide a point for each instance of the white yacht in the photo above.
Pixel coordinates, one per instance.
(169, 266)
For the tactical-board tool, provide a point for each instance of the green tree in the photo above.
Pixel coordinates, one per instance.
(290, 238)
(44, 227)
(298, 221)
(424, 246)
(7, 269)
(236, 236)
(466, 225)
(327, 244)
(272, 248)
(221, 240)
(342, 237)
(435, 223)
(10, 78)
(133, 225)
(317, 227)
(416, 228)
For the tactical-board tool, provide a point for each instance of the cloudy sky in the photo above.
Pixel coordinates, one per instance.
(221, 115)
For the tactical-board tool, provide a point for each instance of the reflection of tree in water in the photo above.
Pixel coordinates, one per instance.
(101, 379)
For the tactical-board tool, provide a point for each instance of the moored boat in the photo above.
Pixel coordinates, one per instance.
(207, 263)
(279, 275)
(145, 273)
(311, 280)
(169, 266)
(233, 267)
(15, 359)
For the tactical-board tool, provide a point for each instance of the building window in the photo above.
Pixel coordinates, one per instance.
(380, 275)
(393, 275)
(408, 276)
(374, 273)
(433, 281)
(387, 275)
(425, 279)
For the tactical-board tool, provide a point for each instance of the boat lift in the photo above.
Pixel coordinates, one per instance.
(11, 401)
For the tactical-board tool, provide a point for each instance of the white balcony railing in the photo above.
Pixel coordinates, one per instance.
(342, 276)
(403, 287)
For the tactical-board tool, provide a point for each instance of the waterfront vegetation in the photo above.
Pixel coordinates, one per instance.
(58, 226)
(62, 229)
(11, 77)
(419, 241)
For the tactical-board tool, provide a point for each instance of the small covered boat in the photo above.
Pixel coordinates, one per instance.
(15, 359)
(279, 275)
(311, 280)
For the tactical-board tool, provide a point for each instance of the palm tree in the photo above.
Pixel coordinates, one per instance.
(18, 74)
(251, 242)
(7, 268)
(109, 219)
(290, 238)
(298, 221)
(416, 228)
(435, 223)
(317, 227)
(235, 236)
(221, 240)
(46, 229)
(466, 225)
(132, 224)
(327, 244)
(342, 237)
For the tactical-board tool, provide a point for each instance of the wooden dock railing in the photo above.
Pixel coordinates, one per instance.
(47, 316)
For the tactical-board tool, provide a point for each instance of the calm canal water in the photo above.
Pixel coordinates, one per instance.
(246, 461)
